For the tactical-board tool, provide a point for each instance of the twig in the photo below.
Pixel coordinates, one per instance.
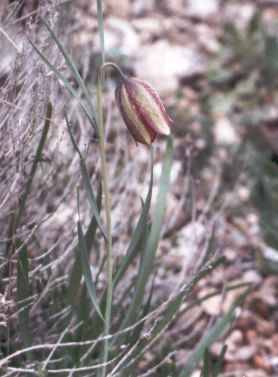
(10, 40)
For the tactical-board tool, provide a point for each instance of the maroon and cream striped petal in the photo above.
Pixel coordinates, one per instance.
(131, 120)
(142, 110)
(149, 106)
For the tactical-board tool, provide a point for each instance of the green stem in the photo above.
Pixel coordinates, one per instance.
(115, 66)
(107, 200)
(107, 205)
(101, 29)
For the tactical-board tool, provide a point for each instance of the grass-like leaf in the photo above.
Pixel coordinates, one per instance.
(23, 293)
(213, 368)
(138, 234)
(71, 65)
(146, 267)
(91, 197)
(207, 364)
(67, 85)
(166, 316)
(212, 335)
(76, 273)
(138, 238)
(88, 187)
(37, 159)
(86, 269)
(220, 362)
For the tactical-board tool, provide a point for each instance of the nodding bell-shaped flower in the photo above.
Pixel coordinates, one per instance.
(142, 110)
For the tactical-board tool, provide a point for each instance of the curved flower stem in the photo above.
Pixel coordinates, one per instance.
(115, 66)
(107, 205)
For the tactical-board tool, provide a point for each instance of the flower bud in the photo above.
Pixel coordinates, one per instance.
(142, 110)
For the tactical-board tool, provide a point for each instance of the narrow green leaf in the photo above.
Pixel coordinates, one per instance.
(76, 273)
(220, 362)
(146, 309)
(139, 233)
(65, 81)
(212, 368)
(86, 269)
(23, 293)
(74, 281)
(152, 242)
(254, 24)
(207, 364)
(91, 196)
(70, 63)
(168, 314)
(138, 239)
(83, 316)
(213, 334)
(37, 159)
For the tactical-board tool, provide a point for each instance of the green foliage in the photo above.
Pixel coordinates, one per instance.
(85, 263)
(95, 208)
(151, 243)
(265, 197)
(76, 271)
(34, 168)
(211, 336)
(213, 368)
(23, 293)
